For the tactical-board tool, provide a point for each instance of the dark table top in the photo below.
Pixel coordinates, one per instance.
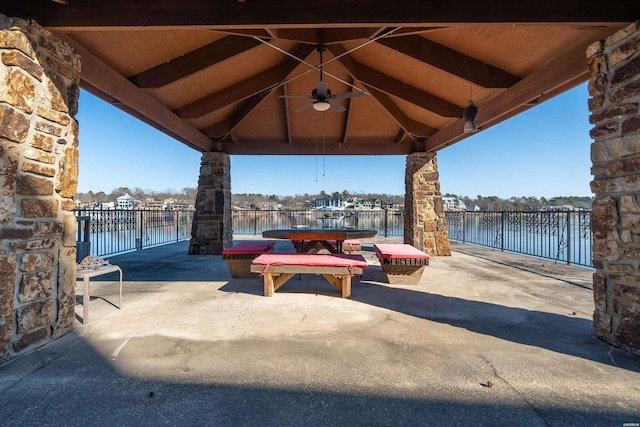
(349, 234)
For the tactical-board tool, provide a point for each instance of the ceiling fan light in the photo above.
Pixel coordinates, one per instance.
(321, 105)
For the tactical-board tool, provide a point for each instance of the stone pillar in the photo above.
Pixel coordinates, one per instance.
(425, 226)
(39, 89)
(212, 229)
(615, 223)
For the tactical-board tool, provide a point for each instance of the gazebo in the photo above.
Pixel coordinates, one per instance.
(250, 77)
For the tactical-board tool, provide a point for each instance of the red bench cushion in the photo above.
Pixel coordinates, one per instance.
(332, 260)
(399, 251)
(333, 242)
(249, 248)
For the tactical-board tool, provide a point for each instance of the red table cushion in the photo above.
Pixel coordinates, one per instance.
(249, 248)
(399, 251)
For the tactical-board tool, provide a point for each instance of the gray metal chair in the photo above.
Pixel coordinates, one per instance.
(295, 224)
(349, 222)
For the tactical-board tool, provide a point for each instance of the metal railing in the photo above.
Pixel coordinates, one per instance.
(112, 232)
(563, 236)
(387, 223)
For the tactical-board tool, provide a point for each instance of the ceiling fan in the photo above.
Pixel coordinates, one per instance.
(321, 95)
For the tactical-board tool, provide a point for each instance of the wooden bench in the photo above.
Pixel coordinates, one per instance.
(277, 269)
(403, 264)
(239, 257)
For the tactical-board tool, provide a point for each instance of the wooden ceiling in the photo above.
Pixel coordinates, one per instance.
(211, 73)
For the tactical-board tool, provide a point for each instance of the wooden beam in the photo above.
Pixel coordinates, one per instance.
(244, 89)
(347, 119)
(263, 33)
(326, 36)
(193, 61)
(413, 127)
(240, 114)
(451, 61)
(333, 147)
(391, 86)
(559, 75)
(287, 114)
(417, 129)
(211, 14)
(218, 130)
(99, 76)
(409, 93)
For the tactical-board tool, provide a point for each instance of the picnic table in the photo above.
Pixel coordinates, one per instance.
(307, 240)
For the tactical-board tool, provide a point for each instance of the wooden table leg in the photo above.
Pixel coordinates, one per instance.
(268, 285)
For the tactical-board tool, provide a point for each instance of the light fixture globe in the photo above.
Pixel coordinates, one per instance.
(321, 105)
(469, 115)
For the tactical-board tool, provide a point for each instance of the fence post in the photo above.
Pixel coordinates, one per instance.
(386, 222)
(464, 226)
(176, 217)
(502, 231)
(255, 221)
(568, 237)
(141, 222)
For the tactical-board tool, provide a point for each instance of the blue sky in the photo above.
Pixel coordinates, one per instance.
(543, 152)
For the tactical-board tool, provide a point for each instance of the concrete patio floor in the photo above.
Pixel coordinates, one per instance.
(486, 338)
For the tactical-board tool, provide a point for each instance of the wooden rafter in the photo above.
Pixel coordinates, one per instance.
(244, 89)
(451, 61)
(110, 84)
(561, 74)
(326, 36)
(345, 129)
(391, 86)
(332, 147)
(416, 129)
(193, 62)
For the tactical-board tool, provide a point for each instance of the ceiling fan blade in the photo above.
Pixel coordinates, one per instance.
(347, 95)
(304, 107)
(339, 108)
(322, 88)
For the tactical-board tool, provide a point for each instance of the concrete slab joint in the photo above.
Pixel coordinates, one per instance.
(615, 114)
(39, 88)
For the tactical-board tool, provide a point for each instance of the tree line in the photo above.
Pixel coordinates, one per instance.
(300, 201)
(526, 203)
(187, 194)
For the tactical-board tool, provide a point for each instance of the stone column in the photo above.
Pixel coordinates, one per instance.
(212, 229)
(425, 226)
(39, 89)
(615, 96)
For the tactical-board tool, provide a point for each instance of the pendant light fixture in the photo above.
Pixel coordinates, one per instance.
(469, 115)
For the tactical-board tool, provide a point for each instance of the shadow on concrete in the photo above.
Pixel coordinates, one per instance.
(81, 387)
(563, 334)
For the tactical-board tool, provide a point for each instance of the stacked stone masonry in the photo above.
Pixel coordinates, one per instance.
(39, 88)
(615, 114)
(211, 231)
(425, 226)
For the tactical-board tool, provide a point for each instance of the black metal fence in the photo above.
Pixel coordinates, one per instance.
(109, 232)
(387, 223)
(563, 236)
